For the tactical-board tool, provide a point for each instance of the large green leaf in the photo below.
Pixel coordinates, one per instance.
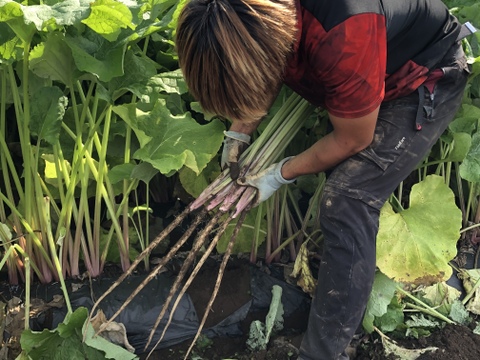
(68, 12)
(48, 109)
(129, 113)
(470, 168)
(466, 119)
(380, 297)
(10, 44)
(108, 17)
(171, 82)
(9, 10)
(177, 141)
(416, 244)
(53, 60)
(95, 55)
(140, 70)
(461, 145)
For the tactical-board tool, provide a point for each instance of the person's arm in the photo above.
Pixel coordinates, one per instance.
(349, 137)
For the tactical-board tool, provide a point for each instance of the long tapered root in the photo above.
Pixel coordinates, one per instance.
(187, 284)
(199, 241)
(221, 271)
(156, 270)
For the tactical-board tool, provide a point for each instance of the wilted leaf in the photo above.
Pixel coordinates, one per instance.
(459, 313)
(421, 238)
(401, 353)
(470, 279)
(274, 319)
(114, 332)
(256, 338)
(421, 321)
(441, 296)
(393, 318)
(259, 335)
(301, 271)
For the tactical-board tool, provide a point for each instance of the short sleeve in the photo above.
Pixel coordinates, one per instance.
(351, 63)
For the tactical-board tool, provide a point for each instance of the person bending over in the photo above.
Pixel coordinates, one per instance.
(391, 75)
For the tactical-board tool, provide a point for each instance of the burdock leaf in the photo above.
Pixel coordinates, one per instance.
(194, 184)
(68, 12)
(416, 244)
(461, 145)
(108, 17)
(96, 55)
(47, 113)
(53, 60)
(382, 294)
(178, 141)
(470, 167)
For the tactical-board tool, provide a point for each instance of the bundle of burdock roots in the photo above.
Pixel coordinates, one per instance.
(223, 201)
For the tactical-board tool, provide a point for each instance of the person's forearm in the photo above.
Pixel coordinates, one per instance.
(348, 138)
(323, 155)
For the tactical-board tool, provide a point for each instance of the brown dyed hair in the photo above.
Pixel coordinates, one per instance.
(233, 53)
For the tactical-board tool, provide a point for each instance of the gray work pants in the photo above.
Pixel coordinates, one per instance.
(356, 190)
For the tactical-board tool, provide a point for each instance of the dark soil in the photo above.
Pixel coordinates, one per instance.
(453, 342)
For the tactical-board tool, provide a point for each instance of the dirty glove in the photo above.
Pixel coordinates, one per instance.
(266, 181)
(234, 144)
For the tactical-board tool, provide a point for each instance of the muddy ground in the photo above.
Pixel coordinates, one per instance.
(453, 342)
(244, 283)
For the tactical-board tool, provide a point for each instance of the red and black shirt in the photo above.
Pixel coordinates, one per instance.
(350, 55)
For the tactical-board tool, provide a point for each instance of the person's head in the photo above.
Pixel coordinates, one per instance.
(233, 53)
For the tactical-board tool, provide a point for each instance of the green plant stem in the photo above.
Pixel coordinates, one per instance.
(461, 197)
(54, 256)
(9, 252)
(33, 236)
(27, 292)
(474, 226)
(424, 307)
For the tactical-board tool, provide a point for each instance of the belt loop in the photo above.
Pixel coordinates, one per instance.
(466, 30)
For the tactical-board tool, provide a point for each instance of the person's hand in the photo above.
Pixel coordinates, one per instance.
(267, 181)
(234, 144)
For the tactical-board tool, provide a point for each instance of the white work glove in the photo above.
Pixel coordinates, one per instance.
(234, 144)
(266, 181)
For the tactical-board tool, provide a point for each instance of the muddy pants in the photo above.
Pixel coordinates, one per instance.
(354, 194)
